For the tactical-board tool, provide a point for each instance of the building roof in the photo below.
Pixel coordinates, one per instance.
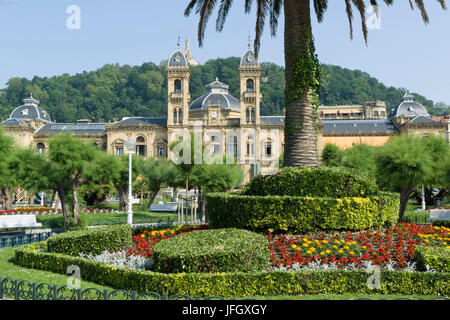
(409, 108)
(127, 121)
(423, 119)
(217, 95)
(272, 120)
(249, 58)
(75, 128)
(30, 110)
(356, 126)
(177, 59)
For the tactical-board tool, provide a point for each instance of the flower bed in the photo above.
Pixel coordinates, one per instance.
(146, 240)
(393, 246)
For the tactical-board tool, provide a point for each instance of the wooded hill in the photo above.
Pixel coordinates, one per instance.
(115, 91)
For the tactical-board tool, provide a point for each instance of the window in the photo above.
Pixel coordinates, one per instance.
(177, 86)
(232, 145)
(268, 148)
(253, 114)
(250, 145)
(250, 115)
(140, 146)
(178, 116)
(119, 150)
(215, 145)
(375, 113)
(247, 115)
(161, 151)
(250, 85)
(40, 148)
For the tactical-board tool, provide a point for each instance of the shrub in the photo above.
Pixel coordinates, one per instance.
(441, 223)
(92, 241)
(301, 214)
(433, 257)
(236, 284)
(334, 182)
(222, 250)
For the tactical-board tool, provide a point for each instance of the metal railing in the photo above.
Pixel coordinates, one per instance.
(23, 239)
(12, 289)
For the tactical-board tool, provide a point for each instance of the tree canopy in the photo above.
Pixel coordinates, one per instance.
(115, 91)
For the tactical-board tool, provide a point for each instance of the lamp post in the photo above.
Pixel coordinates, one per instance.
(130, 144)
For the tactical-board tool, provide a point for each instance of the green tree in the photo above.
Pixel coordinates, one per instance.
(156, 173)
(405, 162)
(7, 176)
(302, 69)
(110, 169)
(362, 157)
(332, 155)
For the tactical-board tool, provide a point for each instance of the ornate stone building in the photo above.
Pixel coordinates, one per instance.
(227, 125)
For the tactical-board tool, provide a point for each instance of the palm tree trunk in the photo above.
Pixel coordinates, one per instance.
(300, 122)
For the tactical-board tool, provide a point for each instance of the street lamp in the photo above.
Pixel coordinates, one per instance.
(130, 144)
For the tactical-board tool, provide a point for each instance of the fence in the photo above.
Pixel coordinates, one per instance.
(26, 290)
(11, 289)
(13, 241)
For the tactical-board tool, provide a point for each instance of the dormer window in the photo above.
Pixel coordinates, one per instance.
(24, 112)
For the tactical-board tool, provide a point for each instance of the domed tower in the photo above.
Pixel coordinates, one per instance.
(178, 75)
(29, 113)
(250, 75)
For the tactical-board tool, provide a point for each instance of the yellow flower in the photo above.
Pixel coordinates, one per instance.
(305, 239)
(294, 246)
(328, 251)
(364, 247)
(425, 240)
(342, 241)
(324, 241)
(340, 251)
(305, 244)
(308, 252)
(336, 241)
(351, 252)
(346, 247)
(322, 253)
(335, 247)
(312, 248)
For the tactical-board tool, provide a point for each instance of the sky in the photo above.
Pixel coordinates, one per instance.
(43, 38)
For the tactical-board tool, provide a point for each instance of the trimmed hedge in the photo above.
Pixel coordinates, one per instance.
(92, 241)
(301, 214)
(435, 258)
(237, 284)
(222, 250)
(326, 182)
(441, 223)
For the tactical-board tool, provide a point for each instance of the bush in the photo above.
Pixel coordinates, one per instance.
(91, 241)
(433, 257)
(301, 214)
(441, 223)
(223, 250)
(333, 182)
(236, 284)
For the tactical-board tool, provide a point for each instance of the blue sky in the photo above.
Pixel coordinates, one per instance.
(35, 40)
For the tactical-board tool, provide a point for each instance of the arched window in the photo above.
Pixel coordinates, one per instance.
(40, 148)
(140, 146)
(250, 85)
(177, 85)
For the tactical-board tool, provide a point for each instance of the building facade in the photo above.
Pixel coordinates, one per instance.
(226, 124)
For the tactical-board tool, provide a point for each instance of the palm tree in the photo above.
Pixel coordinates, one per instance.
(302, 67)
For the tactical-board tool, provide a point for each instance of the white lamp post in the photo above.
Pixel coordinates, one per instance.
(130, 144)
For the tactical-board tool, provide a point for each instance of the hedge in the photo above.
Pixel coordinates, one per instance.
(222, 250)
(441, 223)
(92, 241)
(333, 182)
(236, 284)
(436, 258)
(301, 214)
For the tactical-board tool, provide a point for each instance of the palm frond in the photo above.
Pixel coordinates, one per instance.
(320, 6)
(261, 13)
(274, 14)
(205, 13)
(224, 8)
